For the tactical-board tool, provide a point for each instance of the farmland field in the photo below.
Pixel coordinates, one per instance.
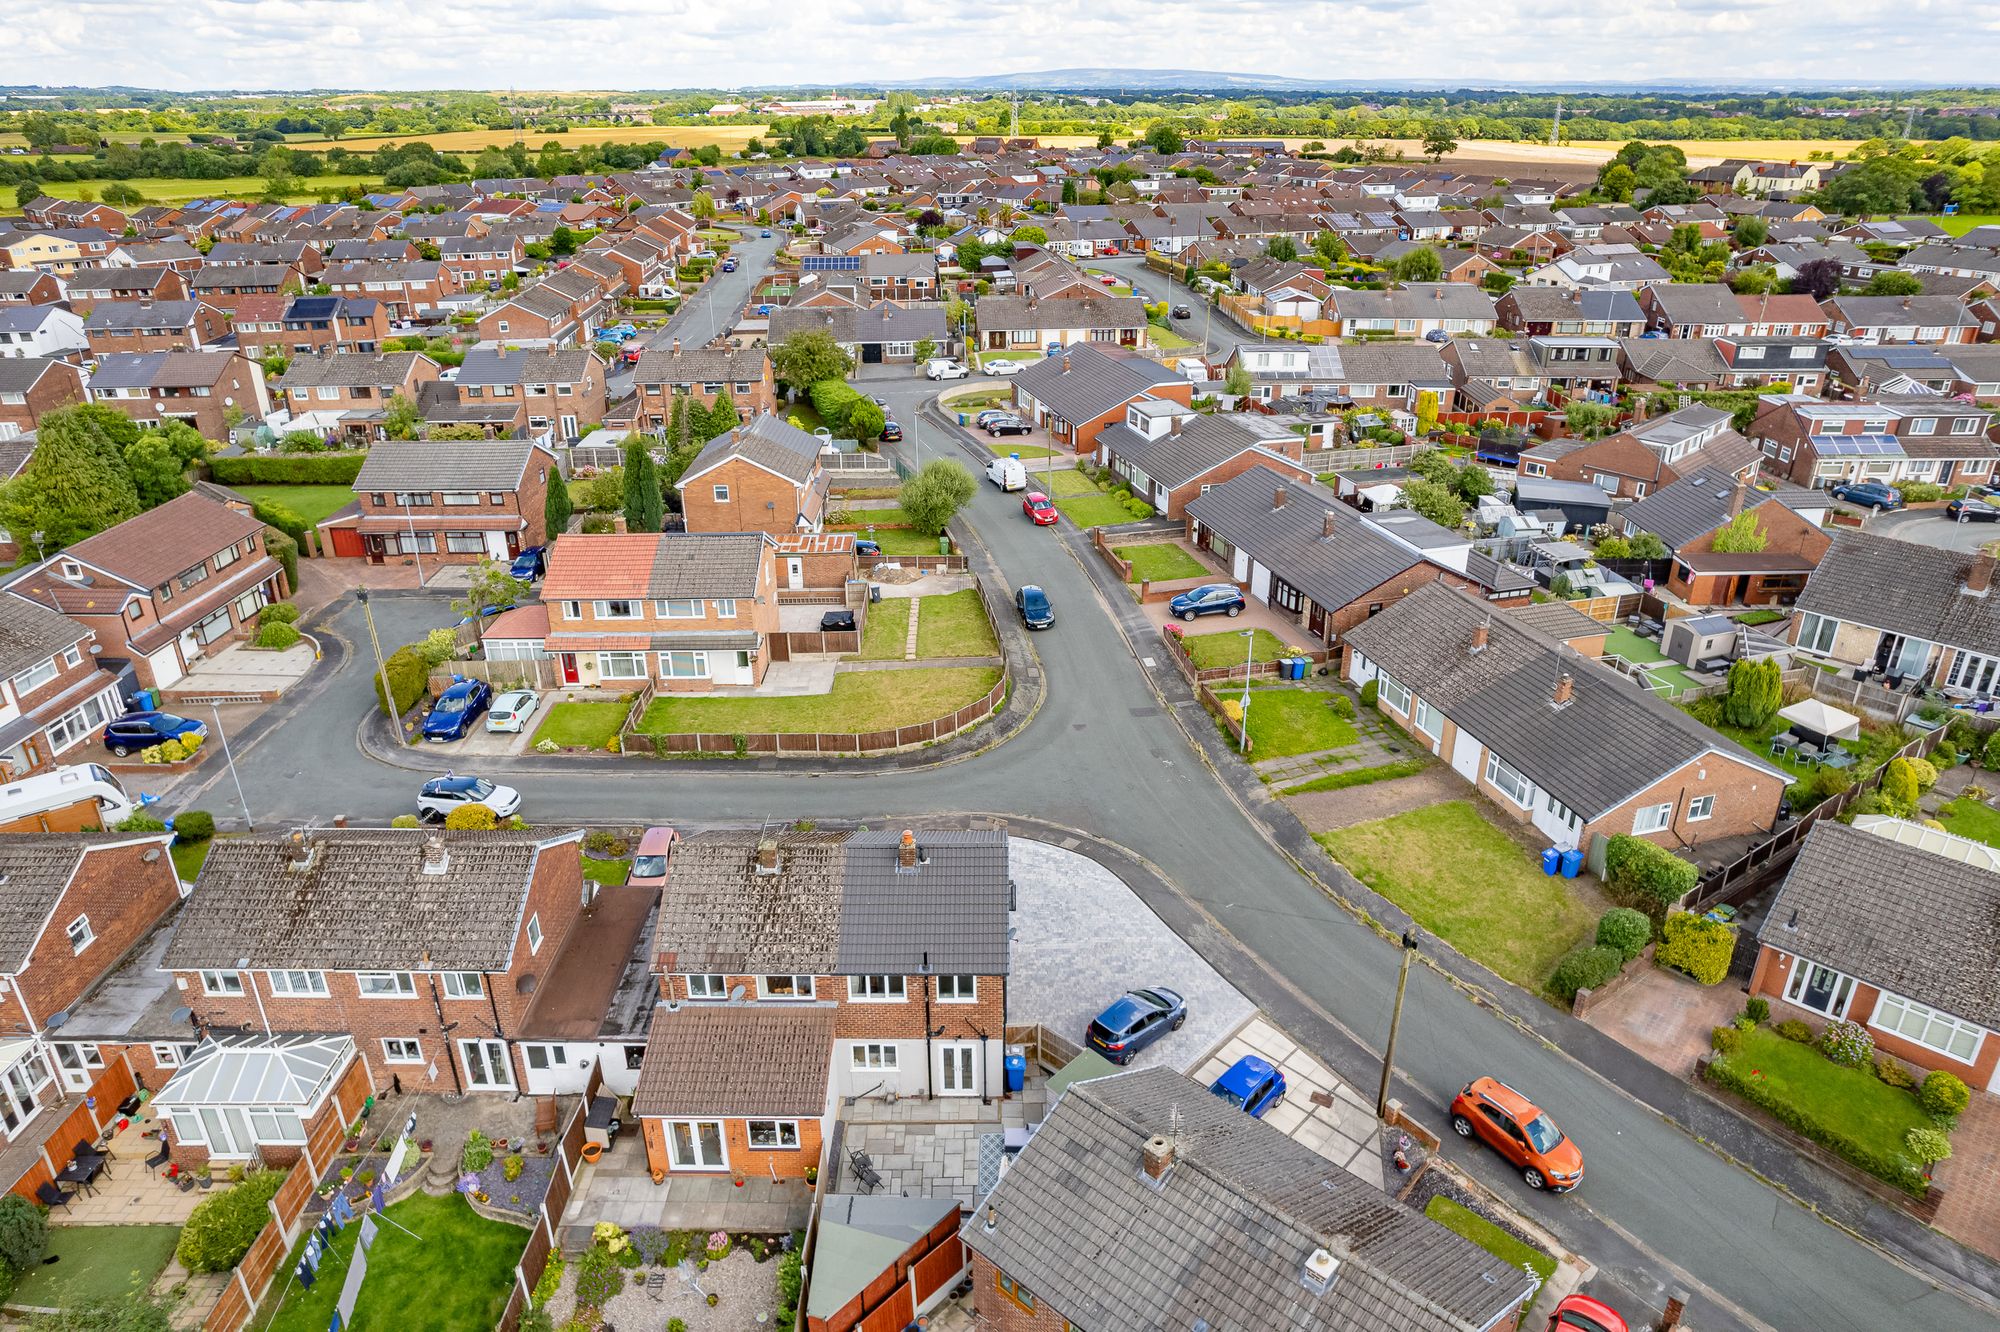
(225, 187)
(727, 137)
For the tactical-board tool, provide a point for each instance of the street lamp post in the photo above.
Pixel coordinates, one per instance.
(1411, 937)
(230, 759)
(1249, 660)
(410, 520)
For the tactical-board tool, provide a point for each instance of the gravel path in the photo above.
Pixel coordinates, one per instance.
(747, 1289)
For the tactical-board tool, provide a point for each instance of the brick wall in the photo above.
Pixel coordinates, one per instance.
(744, 1161)
(878, 1021)
(1000, 1312)
(1774, 971)
(60, 386)
(758, 500)
(124, 895)
(1746, 801)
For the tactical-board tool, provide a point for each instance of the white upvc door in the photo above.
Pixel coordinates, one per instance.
(1465, 753)
(487, 1067)
(958, 1069)
(795, 572)
(697, 1144)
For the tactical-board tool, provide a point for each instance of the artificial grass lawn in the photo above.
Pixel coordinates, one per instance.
(1851, 1103)
(1286, 720)
(456, 1276)
(1208, 651)
(1470, 884)
(1624, 643)
(955, 625)
(1757, 617)
(1972, 818)
(1093, 510)
(98, 1262)
(610, 873)
(1159, 561)
(886, 629)
(311, 503)
(859, 701)
(587, 724)
(1465, 1222)
(1340, 781)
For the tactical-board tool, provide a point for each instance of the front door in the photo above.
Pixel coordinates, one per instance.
(696, 1144)
(569, 675)
(795, 571)
(487, 1067)
(958, 1064)
(377, 549)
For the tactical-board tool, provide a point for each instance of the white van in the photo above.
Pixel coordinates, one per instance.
(943, 367)
(1008, 473)
(84, 795)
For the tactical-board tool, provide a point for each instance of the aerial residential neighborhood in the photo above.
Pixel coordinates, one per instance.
(1120, 698)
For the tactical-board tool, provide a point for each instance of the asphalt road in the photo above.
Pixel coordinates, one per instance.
(1929, 527)
(711, 311)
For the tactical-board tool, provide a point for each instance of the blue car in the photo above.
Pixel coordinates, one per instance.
(765, 234)
(529, 565)
(142, 730)
(1211, 599)
(1869, 495)
(456, 709)
(1135, 1021)
(1251, 1084)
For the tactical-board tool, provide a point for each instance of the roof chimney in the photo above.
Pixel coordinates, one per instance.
(1906, 302)
(1326, 523)
(1480, 633)
(677, 347)
(299, 855)
(1979, 578)
(906, 851)
(767, 855)
(1278, 496)
(437, 859)
(1565, 691)
(1319, 1271)
(1739, 496)
(1157, 1156)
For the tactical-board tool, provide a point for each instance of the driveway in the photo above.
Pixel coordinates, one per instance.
(1930, 527)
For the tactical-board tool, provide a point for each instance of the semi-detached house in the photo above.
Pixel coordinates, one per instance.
(1904, 611)
(53, 696)
(446, 501)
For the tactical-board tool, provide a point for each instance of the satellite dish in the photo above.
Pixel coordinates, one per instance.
(181, 1014)
(525, 985)
(57, 1018)
(736, 995)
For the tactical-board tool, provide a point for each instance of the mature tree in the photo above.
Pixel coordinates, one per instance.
(924, 350)
(1438, 140)
(156, 473)
(805, 358)
(1817, 278)
(76, 484)
(489, 584)
(1435, 465)
(1646, 546)
(1756, 692)
(702, 205)
(27, 191)
(1029, 234)
(1330, 249)
(556, 508)
(1588, 419)
(933, 495)
(1237, 382)
(1474, 482)
(1427, 411)
(1433, 501)
(1282, 248)
(1739, 536)
(1617, 182)
(1104, 138)
(864, 421)
(562, 241)
(1419, 265)
(1166, 138)
(1069, 190)
(1751, 232)
(1756, 280)
(1890, 282)
(722, 416)
(1891, 184)
(400, 419)
(643, 506)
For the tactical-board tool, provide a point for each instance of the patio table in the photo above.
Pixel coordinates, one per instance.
(1839, 758)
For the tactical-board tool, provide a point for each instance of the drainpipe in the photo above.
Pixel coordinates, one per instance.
(924, 979)
(444, 1034)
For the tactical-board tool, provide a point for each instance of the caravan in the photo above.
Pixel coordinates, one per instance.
(72, 799)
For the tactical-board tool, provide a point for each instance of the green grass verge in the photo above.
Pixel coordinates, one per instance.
(1757, 617)
(1340, 781)
(1287, 720)
(1062, 483)
(1093, 510)
(859, 701)
(875, 518)
(610, 873)
(1225, 648)
(590, 725)
(1159, 561)
(189, 857)
(1972, 818)
(1470, 884)
(311, 503)
(1027, 452)
(886, 629)
(1465, 1222)
(455, 1274)
(98, 1263)
(955, 625)
(1167, 339)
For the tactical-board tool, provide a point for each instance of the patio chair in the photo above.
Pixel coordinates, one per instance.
(1782, 744)
(88, 1151)
(52, 1194)
(1809, 754)
(159, 1158)
(656, 1285)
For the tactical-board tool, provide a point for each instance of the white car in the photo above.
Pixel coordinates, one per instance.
(940, 367)
(1005, 367)
(441, 795)
(511, 709)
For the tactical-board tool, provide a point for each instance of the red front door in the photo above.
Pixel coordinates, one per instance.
(569, 676)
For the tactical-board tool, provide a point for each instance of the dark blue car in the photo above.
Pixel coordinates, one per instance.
(456, 709)
(142, 730)
(528, 565)
(1869, 495)
(1135, 1021)
(1209, 599)
(1251, 1084)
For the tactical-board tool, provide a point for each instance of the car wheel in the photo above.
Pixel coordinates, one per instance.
(1235, 611)
(1187, 617)
(1461, 1126)
(1180, 1022)
(120, 750)
(1534, 1179)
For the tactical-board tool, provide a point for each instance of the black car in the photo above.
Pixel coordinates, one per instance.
(1033, 603)
(1134, 1021)
(1007, 425)
(863, 546)
(837, 621)
(891, 432)
(1182, 312)
(1972, 510)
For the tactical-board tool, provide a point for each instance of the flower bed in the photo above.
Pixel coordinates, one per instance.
(524, 1194)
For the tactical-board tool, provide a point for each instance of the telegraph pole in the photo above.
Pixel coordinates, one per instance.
(1411, 937)
(381, 667)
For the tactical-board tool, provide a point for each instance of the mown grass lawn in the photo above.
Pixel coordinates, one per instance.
(876, 518)
(455, 1273)
(1209, 651)
(1158, 561)
(1286, 720)
(1972, 818)
(1341, 781)
(1622, 642)
(1960, 223)
(859, 701)
(587, 724)
(98, 1263)
(1849, 1103)
(1465, 1222)
(1093, 510)
(955, 625)
(189, 857)
(610, 873)
(311, 503)
(306, 189)
(1470, 884)
(1062, 483)
(1028, 452)
(886, 629)
(902, 541)
(1168, 339)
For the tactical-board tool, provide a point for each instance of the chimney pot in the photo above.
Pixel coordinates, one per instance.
(1326, 523)
(1278, 497)
(677, 347)
(1157, 1156)
(1739, 496)
(767, 855)
(1979, 578)
(1564, 692)
(906, 852)
(437, 857)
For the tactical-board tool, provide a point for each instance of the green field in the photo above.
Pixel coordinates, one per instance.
(1960, 223)
(307, 190)
(311, 503)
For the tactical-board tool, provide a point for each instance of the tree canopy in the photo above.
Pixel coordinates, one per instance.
(807, 357)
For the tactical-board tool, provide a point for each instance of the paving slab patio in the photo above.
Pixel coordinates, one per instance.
(1319, 1110)
(1666, 1016)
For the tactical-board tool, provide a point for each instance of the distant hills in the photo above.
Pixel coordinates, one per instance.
(1102, 79)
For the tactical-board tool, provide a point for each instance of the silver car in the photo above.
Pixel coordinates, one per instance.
(511, 709)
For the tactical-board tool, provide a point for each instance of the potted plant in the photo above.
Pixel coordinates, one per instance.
(812, 1176)
(203, 1174)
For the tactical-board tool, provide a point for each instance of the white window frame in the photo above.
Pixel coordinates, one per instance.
(800, 994)
(706, 985)
(1965, 425)
(776, 1131)
(411, 1050)
(877, 989)
(1817, 632)
(1419, 712)
(725, 608)
(694, 1137)
(385, 984)
(632, 665)
(678, 608)
(534, 934)
(721, 494)
(1795, 988)
(958, 988)
(1652, 818)
(221, 983)
(875, 1056)
(166, 1055)
(1701, 807)
(1505, 778)
(1392, 693)
(635, 608)
(464, 985)
(81, 936)
(297, 983)
(1928, 1020)
(683, 665)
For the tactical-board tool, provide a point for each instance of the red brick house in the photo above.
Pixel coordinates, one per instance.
(1170, 454)
(198, 387)
(29, 286)
(1086, 390)
(46, 211)
(446, 501)
(764, 476)
(408, 288)
(333, 324)
(31, 387)
(87, 286)
(54, 697)
(701, 375)
(1815, 442)
(558, 391)
(143, 326)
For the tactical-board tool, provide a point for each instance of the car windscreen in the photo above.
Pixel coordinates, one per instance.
(1234, 1098)
(450, 704)
(1543, 1133)
(480, 789)
(167, 721)
(649, 867)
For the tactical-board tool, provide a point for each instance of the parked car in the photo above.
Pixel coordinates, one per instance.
(1112, 251)
(943, 367)
(620, 332)
(1005, 369)
(649, 859)
(765, 234)
(1868, 494)
(891, 432)
(486, 612)
(1182, 312)
(632, 353)
(729, 265)
(1581, 1313)
(1033, 603)
(1209, 599)
(1107, 279)
(1437, 335)
(142, 730)
(530, 564)
(863, 546)
(1134, 1021)
(1972, 510)
(456, 709)
(441, 795)
(1251, 1084)
(990, 414)
(1515, 1127)
(1038, 507)
(511, 709)
(1007, 425)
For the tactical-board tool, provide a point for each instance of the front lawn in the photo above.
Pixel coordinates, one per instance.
(590, 725)
(1465, 1222)
(1094, 510)
(311, 503)
(1167, 339)
(955, 625)
(859, 701)
(886, 630)
(896, 541)
(1470, 884)
(1063, 483)
(1159, 561)
(98, 1263)
(876, 518)
(455, 1273)
(1287, 719)
(1969, 818)
(1026, 452)
(610, 873)
(1209, 651)
(189, 858)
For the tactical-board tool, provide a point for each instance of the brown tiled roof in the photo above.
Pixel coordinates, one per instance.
(733, 1061)
(655, 564)
(154, 546)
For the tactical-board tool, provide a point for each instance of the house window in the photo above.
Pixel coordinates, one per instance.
(1653, 818)
(1816, 632)
(772, 1135)
(958, 989)
(707, 987)
(167, 1056)
(722, 494)
(1428, 720)
(1394, 695)
(464, 543)
(1503, 778)
(534, 934)
(1966, 425)
(461, 497)
(679, 608)
(35, 676)
(616, 609)
(413, 499)
(385, 984)
(80, 936)
(221, 982)
(543, 1057)
(305, 984)
(1820, 989)
(572, 610)
(785, 987)
(725, 608)
(191, 577)
(621, 665)
(874, 1054)
(464, 985)
(249, 603)
(213, 627)
(79, 722)
(1923, 425)
(684, 665)
(1014, 1291)
(402, 1050)
(1927, 1027)
(876, 988)
(1701, 807)
(696, 1144)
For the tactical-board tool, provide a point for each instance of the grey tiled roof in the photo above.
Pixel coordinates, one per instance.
(1082, 383)
(495, 365)
(949, 913)
(701, 365)
(1221, 1241)
(1012, 313)
(423, 465)
(1202, 443)
(363, 901)
(1905, 588)
(1693, 506)
(1856, 897)
(1559, 619)
(30, 632)
(768, 441)
(18, 374)
(1289, 540)
(348, 369)
(139, 314)
(718, 1060)
(1612, 740)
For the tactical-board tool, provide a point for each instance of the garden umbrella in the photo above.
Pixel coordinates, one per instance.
(1819, 723)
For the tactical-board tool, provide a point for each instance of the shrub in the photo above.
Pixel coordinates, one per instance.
(604, 842)
(1822, 784)
(286, 552)
(1928, 1145)
(278, 612)
(277, 635)
(439, 646)
(290, 469)
(1369, 693)
(677, 1325)
(1894, 1073)
(678, 1244)
(651, 1242)
(1920, 492)
(790, 1281)
(1989, 757)
(1899, 787)
(24, 1232)
(194, 825)
(222, 1226)
(551, 1279)
(1626, 930)
(1925, 771)
(472, 818)
(478, 1153)
(1342, 705)
(406, 821)
(1847, 1044)
(1757, 1009)
(1944, 1095)
(1891, 1165)
(141, 823)
(1585, 968)
(1725, 1040)
(719, 1245)
(1696, 945)
(511, 1168)
(1651, 878)
(1794, 1030)
(598, 1278)
(408, 675)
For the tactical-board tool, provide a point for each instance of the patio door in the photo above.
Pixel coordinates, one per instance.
(487, 1067)
(696, 1144)
(17, 1098)
(958, 1069)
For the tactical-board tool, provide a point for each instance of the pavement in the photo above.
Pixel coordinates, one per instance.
(1929, 527)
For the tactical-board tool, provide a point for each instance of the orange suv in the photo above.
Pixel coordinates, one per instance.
(1515, 1127)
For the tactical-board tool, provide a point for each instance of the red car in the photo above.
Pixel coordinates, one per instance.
(1036, 505)
(1108, 280)
(1580, 1313)
(1111, 250)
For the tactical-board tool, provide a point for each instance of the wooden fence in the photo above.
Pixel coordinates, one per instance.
(542, 1237)
(535, 673)
(1046, 1048)
(921, 563)
(1385, 455)
(267, 1253)
(809, 744)
(1209, 675)
(85, 1120)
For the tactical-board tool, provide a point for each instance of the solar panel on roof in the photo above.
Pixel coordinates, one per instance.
(1858, 446)
(831, 263)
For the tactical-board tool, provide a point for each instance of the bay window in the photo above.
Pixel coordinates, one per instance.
(1927, 1027)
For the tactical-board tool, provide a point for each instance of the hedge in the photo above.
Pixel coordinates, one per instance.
(1626, 930)
(1696, 945)
(287, 469)
(409, 675)
(277, 635)
(222, 1228)
(1638, 873)
(1892, 1166)
(1585, 968)
(286, 552)
(279, 612)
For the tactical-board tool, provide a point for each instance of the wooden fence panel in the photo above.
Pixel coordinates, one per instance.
(938, 1268)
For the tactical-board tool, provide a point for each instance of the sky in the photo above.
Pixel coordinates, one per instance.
(630, 44)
